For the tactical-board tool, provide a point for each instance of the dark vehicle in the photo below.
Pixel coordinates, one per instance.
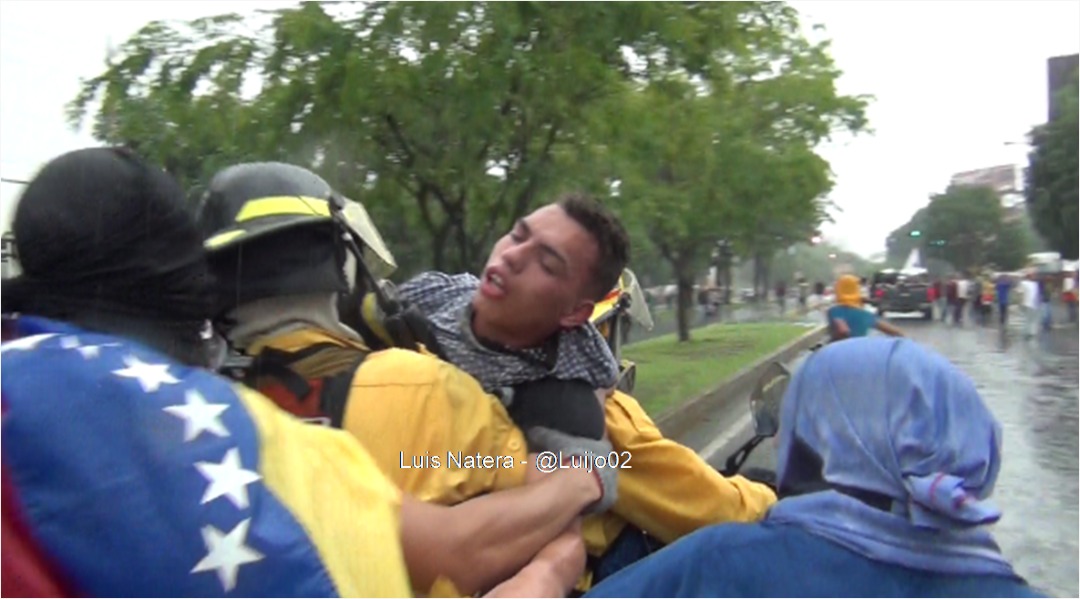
(901, 291)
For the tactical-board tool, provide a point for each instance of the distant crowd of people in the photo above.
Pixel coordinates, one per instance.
(982, 296)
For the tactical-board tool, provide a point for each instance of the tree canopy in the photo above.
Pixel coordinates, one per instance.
(1052, 183)
(696, 121)
(962, 229)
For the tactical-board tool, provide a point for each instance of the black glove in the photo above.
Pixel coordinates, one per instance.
(564, 445)
(570, 407)
(409, 328)
(405, 327)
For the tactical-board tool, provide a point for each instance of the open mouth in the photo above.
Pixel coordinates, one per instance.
(495, 280)
(493, 285)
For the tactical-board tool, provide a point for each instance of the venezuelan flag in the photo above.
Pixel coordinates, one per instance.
(127, 474)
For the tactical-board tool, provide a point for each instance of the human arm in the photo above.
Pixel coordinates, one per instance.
(552, 573)
(483, 541)
(666, 488)
(839, 329)
(555, 570)
(888, 328)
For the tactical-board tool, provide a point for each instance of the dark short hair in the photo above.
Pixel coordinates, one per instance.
(613, 243)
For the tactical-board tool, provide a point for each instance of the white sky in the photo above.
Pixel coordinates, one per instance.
(953, 82)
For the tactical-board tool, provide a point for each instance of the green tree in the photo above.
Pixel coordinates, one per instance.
(449, 114)
(816, 263)
(730, 155)
(966, 221)
(1013, 244)
(451, 120)
(901, 241)
(174, 101)
(1052, 184)
(961, 229)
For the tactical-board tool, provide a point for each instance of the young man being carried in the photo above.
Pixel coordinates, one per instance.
(527, 318)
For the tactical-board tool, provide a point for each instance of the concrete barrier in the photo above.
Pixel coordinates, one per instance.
(677, 420)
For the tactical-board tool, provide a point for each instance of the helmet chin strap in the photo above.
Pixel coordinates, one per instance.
(360, 277)
(407, 327)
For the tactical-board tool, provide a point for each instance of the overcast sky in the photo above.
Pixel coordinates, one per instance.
(953, 82)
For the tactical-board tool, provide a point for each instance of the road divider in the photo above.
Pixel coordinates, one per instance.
(675, 421)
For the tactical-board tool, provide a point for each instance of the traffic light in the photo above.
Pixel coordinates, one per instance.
(915, 233)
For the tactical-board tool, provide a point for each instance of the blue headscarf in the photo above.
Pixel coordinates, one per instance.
(889, 417)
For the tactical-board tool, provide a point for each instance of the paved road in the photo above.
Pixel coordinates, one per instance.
(1032, 388)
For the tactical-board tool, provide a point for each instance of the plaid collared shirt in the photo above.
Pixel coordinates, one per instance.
(446, 300)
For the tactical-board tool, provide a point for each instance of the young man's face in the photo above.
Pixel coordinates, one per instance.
(536, 279)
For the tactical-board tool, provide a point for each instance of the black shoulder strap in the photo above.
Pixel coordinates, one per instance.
(336, 390)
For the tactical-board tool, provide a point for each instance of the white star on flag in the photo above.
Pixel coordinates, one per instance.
(199, 416)
(25, 343)
(227, 478)
(87, 351)
(150, 376)
(226, 553)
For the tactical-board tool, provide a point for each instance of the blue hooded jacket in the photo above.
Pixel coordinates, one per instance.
(904, 453)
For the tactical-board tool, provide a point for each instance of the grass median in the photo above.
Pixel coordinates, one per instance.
(669, 372)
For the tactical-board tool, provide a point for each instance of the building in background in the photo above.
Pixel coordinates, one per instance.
(1059, 71)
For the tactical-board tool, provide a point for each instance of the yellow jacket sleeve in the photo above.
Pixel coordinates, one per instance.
(432, 429)
(669, 490)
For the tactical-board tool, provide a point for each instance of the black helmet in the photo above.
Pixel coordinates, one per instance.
(273, 229)
(270, 230)
(247, 201)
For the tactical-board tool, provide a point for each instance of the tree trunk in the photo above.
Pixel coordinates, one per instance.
(438, 247)
(462, 243)
(727, 283)
(757, 276)
(766, 278)
(686, 303)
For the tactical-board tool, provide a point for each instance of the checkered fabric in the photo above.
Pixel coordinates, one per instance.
(446, 300)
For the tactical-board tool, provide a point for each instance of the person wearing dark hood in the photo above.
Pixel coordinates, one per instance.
(117, 442)
(103, 246)
(887, 455)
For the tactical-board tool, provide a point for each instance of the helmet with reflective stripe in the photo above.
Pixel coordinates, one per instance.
(247, 201)
(270, 231)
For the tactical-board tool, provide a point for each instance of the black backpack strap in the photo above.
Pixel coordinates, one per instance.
(335, 393)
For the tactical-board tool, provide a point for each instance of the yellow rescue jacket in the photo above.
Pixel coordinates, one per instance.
(428, 425)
